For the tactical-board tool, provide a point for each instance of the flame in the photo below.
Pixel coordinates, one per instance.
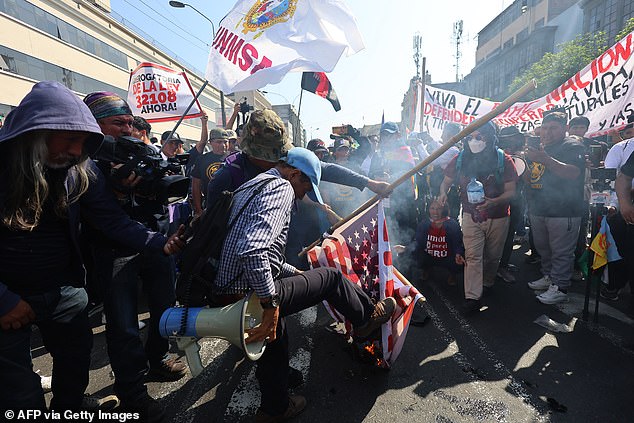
(374, 352)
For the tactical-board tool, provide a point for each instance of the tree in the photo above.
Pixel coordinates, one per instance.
(556, 68)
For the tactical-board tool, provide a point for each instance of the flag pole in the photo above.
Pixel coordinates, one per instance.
(422, 112)
(200, 91)
(512, 99)
(299, 108)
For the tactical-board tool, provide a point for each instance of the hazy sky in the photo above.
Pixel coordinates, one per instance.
(367, 83)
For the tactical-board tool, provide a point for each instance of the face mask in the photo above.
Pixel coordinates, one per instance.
(477, 146)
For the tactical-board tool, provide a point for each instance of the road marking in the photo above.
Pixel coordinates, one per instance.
(245, 399)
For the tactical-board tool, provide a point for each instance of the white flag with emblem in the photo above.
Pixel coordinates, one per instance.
(260, 41)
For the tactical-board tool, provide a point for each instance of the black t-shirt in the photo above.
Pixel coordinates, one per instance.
(205, 166)
(628, 168)
(550, 195)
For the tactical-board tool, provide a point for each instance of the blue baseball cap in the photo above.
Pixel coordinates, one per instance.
(390, 127)
(308, 163)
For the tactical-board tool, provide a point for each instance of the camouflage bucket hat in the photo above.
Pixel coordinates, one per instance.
(264, 136)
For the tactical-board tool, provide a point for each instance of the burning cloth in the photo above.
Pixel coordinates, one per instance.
(360, 249)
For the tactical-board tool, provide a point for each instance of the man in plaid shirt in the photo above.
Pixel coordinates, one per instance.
(253, 260)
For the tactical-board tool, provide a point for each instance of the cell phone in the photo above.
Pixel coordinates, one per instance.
(533, 141)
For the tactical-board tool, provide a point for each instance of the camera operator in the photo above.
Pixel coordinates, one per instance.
(46, 183)
(120, 268)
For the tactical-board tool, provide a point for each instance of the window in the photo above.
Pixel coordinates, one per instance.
(44, 21)
(28, 66)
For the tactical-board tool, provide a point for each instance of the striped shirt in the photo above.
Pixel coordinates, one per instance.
(253, 252)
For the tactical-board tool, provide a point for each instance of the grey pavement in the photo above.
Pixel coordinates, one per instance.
(495, 365)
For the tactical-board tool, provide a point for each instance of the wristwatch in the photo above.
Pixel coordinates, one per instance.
(274, 302)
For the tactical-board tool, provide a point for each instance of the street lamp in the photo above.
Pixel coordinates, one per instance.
(181, 5)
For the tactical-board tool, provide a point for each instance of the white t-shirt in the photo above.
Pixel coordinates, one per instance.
(618, 155)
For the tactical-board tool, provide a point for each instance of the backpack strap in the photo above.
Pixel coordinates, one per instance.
(499, 173)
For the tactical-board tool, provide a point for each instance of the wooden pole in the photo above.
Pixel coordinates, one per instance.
(514, 98)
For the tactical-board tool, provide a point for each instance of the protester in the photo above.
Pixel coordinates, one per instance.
(264, 142)
(120, 268)
(393, 159)
(171, 143)
(46, 182)
(253, 259)
(233, 145)
(484, 223)
(555, 182)
(207, 165)
(318, 147)
(141, 130)
(438, 243)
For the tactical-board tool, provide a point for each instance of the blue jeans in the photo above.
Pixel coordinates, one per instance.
(128, 358)
(62, 319)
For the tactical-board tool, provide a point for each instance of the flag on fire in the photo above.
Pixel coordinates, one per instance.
(360, 249)
(318, 83)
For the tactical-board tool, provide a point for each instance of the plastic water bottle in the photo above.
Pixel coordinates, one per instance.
(475, 192)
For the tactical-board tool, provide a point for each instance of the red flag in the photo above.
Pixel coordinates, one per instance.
(318, 83)
(360, 250)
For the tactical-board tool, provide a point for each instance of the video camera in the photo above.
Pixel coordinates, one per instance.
(161, 179)
(245, 107)
(602, 178)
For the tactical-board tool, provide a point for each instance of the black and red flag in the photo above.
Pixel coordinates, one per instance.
(318, 83)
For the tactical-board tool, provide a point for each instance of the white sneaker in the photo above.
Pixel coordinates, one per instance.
(542, 283)
(553, 296)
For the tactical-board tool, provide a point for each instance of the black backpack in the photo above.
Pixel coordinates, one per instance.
(198, 264)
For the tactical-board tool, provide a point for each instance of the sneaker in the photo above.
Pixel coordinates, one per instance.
(92, 402)
(168, 370)
(149, 409)
(505, 275)
(383, 311)
(609, 294)
(553, 296)
(296, 404)
(470, 306)
(540, 284)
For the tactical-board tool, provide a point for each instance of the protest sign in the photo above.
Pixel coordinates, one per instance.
(260, 41)
(160, 94)
(600, 92)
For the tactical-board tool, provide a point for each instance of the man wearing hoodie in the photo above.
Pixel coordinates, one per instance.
(46, 184)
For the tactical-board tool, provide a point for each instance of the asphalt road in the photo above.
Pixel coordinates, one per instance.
(496, 365)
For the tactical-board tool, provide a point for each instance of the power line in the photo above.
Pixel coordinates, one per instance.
(173, 23)
(175, 33)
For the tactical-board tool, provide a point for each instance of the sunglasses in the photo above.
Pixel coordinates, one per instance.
(477, 138)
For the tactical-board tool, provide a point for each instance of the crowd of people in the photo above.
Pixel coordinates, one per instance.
(79, 229)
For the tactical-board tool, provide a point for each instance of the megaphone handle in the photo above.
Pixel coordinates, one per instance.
(192, 353)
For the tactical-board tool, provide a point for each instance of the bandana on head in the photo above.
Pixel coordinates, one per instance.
(103, 104)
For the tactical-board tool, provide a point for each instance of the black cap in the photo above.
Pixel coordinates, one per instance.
(174, 136)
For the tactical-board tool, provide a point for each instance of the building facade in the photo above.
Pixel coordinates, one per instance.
(87, 47)
(517, 38)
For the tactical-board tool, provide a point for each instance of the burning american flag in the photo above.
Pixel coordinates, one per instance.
(360, 249)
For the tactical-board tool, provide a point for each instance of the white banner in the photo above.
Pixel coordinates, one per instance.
(160, 94)
(600, 92)
(260, 41)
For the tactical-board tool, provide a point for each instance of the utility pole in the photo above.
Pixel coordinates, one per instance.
(457, 40)
(417, 43)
